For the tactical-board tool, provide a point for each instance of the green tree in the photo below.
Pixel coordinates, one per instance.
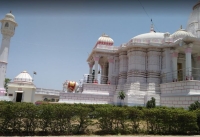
(46, 99)
(121, 96)
(7, 80)
(151, 103)
(194, 106)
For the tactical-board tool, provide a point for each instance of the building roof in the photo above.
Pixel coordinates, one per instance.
(148, 38)
(150, 35)
(23, 77)
(9, 17)
(105, 40)
(193, 21)
(181, 33)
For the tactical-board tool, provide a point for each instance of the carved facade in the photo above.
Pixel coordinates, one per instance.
(145, 62)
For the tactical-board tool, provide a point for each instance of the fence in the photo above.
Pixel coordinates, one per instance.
(47, 91)
(174, 76)
(181, 75)
(101, 79)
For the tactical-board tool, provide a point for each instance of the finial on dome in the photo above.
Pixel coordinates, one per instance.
(10, 11)
(152, 27)
(181, 27)
(104, 35)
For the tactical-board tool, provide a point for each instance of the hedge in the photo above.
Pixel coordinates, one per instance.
(72, 119)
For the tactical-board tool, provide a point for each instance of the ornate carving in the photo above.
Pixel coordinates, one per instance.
(96, 58)
(90, 64)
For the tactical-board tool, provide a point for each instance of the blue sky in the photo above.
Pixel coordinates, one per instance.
(54, 38)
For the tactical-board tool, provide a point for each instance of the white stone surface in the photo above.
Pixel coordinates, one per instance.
(92, 94)
(180, 94)
(8, 25)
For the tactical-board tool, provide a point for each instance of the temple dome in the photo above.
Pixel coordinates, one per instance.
(23, 77)
(9, 17)
(105, 40)
(181, 33)
(151, 37)
(193, 21)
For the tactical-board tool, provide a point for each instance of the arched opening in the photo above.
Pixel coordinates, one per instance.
(103, 76)
(6, 25)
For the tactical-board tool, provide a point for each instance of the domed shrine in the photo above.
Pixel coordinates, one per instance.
(160, 65)
(154, 64)
(22, 89)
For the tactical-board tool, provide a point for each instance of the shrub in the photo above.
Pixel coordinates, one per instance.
(151, 103)
(70, 119)
(194, 106)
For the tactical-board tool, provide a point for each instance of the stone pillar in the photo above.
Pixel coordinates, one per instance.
(123, 67)
(116, 66)
(89, 77)
(110, 71)
(198, 67)
(188, 62)
(198, 61)
(96, 60)
(90, 66)
(166, 65)
(174, 65)
(153, 66)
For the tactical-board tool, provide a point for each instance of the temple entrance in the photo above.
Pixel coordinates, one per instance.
(19, 97)
(180, 72)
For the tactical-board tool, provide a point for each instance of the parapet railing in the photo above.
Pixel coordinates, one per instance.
(47, 91)
(106, 47)
(101, 79)
(181, 75)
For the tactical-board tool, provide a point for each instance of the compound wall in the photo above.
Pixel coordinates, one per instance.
(180, 94)
(91, 94)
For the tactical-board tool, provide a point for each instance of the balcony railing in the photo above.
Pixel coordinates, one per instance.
(181, 75)
(47, 91)
(101, 79)
(104, 47)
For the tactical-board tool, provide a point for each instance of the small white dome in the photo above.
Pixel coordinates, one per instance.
(181, 33)
(151, 35)
(9, 17)
(105, 40)
(23, 77)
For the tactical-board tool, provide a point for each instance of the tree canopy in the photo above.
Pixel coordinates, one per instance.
(7, 80)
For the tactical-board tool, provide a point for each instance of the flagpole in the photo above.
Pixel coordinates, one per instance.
(33, 75)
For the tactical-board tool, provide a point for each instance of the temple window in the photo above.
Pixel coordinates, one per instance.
(6, 25)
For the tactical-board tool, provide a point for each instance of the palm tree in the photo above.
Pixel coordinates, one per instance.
(121, 96)
(7, 80)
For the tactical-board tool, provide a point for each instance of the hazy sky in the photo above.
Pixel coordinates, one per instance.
(54, 37)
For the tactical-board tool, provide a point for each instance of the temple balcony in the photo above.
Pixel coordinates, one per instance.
(105, 48)
(50, 92)
(180, 88)
(101, 79)
(181, 75)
